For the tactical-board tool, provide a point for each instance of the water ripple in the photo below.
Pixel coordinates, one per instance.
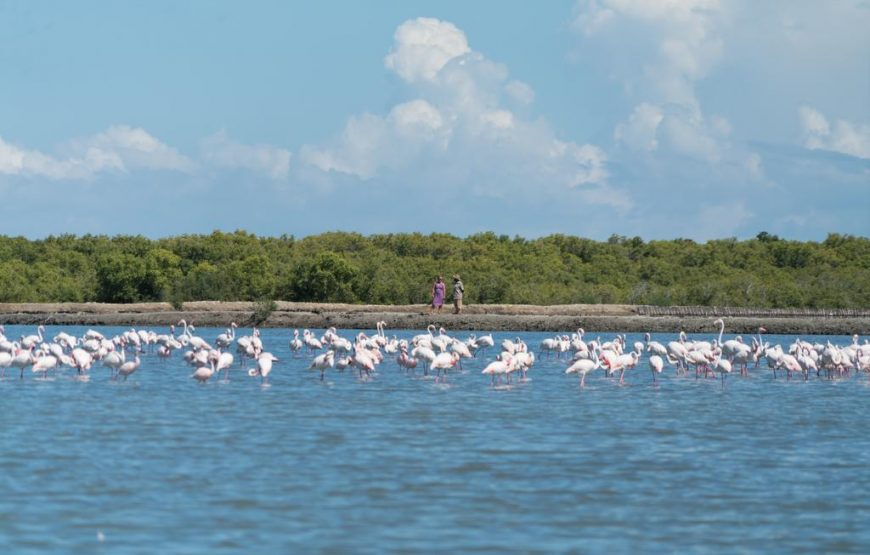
(400, 464)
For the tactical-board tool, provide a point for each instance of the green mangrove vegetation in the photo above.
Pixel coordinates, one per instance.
(765, 271)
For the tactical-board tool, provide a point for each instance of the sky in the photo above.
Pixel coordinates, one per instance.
(664, 119)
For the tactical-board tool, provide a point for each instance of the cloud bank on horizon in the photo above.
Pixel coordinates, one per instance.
(711, 128)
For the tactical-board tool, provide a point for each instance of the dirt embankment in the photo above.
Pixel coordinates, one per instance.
(605, 318)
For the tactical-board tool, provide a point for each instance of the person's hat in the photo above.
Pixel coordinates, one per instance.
(455, 276)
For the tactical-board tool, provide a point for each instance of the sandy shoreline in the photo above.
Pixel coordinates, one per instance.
(605, 318)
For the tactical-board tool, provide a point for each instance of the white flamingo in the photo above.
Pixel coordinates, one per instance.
(22, 359)
(656, 365)
(264, 366)
(296, 343)
(30, 341)
(584, 366)
(129, 367)
(5, 362)
(322, 362)
(44, 364)
(224, 340)
(443, 362)
(224, 362)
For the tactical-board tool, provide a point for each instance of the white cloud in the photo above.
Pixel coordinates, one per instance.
(223, 152)
(499, 119)
(584, 164)
(687, 45)
(134, 147)
(125, 149)
(521, 92)
(458, 125)
(117, 149)
(754, 166)
(417, 116)
(844, 137)
(423, 46)
(642, 127)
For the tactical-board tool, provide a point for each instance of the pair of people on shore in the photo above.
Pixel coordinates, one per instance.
(439, 291)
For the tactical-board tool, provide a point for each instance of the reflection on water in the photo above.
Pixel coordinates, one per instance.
(397, 463)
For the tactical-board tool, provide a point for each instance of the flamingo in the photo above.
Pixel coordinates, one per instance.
(312, 342)
(442, 341)
(5, 362)
(443, 361)
(30, 341)
(363, 361)
(194, 340)
(322, 362)
(523, 361)
(461, 349)
(656, 364)
(791, 364)
(499, 367)
(224, 340)
(485, 342)
(723, 367)
(22, 359)
(224, 361)
(203, 373)
(404, 360)
(677, 352)
(7, 346)
(344, 362)
(549, 345)
(655, 347)
(44, 364)
(423, 353)
(807, 363)
(296, 343)
(164, 351)
(623, 363)
(583, 366)
(129, 367)
(264, 366)
(82, 360)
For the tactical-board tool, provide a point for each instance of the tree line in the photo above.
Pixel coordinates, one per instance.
(765, 271)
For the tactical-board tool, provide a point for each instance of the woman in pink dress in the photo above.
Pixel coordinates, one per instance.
(438, 289)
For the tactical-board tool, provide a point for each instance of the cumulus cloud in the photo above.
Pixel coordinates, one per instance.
(687, 45)
(659, 51)
(641, 130)
(423, 46)
(520, 92)
(123, 149)
(844, 137)
(135, 148)
(117, 149)
(460, 123)
(221, 151)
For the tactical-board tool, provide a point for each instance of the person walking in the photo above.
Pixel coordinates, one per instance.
(458, 291)
(438, 293)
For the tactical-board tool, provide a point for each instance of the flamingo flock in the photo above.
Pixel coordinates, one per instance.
(435, 353)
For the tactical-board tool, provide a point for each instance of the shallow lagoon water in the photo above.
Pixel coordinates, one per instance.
(400, 464)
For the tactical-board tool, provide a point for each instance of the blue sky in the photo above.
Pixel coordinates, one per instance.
(659, 118)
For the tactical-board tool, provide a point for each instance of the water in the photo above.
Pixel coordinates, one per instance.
(396, 464)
